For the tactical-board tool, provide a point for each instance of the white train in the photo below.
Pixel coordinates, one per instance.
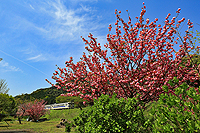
(68, 105)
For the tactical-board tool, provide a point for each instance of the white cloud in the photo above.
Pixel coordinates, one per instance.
(58, 22)
(55, 23)
(85, 8)
(77, 1)
(6, 67)
(37, 58)
(64, 23)
(32, 7)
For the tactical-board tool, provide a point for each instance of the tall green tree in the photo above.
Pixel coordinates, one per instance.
(3, 86)
(7, 105)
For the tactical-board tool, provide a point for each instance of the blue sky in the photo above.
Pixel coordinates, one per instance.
(36, 35)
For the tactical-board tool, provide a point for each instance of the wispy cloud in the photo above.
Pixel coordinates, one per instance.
(58, 27)
(68, 24)
(5, 66)
(37, 58)
(32, 7)
(78, 1)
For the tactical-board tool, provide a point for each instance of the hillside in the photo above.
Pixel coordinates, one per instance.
(48, 94)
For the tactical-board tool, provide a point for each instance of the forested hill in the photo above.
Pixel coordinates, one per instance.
(48, 94)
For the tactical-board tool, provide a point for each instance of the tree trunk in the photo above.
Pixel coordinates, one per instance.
(19, 120)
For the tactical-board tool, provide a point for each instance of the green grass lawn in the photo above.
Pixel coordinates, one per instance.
(48, 126)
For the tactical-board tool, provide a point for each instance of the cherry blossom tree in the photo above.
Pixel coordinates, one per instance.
(34, 110)
(139, 58)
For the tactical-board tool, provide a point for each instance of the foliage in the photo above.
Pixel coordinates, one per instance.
(138, 59)
(173, 112)
(77, 101)
(3, 86)
(34, 110)
(178, 112)
(196, 40)
(113, 115)
(68, 126)
(7, 105)
(193, 59)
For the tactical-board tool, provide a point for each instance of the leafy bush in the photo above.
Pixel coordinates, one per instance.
(113, 115)
(179, 112)
(173, 112)
(68, 126)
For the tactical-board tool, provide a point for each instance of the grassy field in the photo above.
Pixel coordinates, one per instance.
(48, 126)
(53, 119)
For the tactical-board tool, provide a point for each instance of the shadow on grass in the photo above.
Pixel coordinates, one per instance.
(16, 131)
(4, 126)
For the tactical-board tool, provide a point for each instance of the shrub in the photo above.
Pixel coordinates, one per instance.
(110, 114)
(173, 112)
(178, 112)
(68, 126)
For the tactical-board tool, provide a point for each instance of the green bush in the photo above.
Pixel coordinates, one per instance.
(113, 115)
(179, 112)
(68, 126)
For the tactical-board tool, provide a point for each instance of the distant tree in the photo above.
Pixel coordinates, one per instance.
(3, 86)
(21, 112)
(33, 109)
(7, 105)
(78, 102)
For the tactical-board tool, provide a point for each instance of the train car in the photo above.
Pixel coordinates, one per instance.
(67, 105)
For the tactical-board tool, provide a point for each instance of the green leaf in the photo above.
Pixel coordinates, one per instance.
(165, 88)
(175, 79)
(171, 83)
